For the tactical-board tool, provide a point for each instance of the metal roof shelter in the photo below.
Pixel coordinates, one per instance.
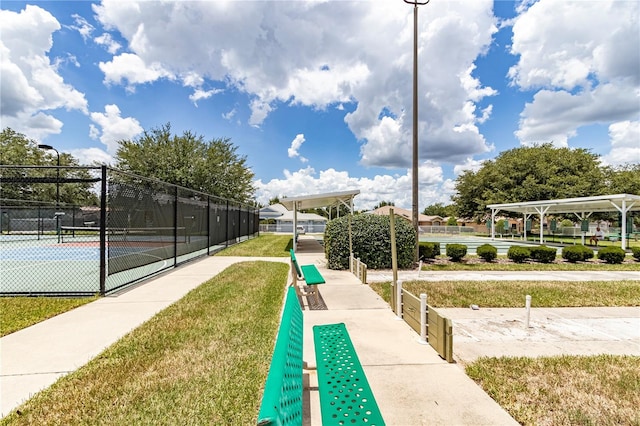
(329, 199)
(582, 207)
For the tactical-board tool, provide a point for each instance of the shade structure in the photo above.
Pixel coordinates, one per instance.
(328, 199)
(582, 207)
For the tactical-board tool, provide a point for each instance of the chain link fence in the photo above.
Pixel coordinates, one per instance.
(131, 228)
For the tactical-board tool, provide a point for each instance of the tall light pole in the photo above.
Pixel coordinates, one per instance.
(44, 146)
(414, 186)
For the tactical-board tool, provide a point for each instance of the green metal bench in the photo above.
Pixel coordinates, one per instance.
(282, 399)
(345, 395)
(308, 273)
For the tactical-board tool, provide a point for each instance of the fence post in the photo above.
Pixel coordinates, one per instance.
(103, 232)
(399, 299)
(528, 308)
(423, 318)
(175, 227)
(208, 225)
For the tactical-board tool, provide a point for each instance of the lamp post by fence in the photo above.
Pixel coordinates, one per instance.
(414, 186)
(44, 146)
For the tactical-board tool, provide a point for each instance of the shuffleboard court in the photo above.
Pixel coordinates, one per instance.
(473, 243)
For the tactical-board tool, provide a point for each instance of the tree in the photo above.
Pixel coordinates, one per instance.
(384, 203)
(16, 149)
(452, 221)
(540, 172)
(439, 209)
(188, 160)
(623, 180)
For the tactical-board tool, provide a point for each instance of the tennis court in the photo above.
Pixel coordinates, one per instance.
(44, 266)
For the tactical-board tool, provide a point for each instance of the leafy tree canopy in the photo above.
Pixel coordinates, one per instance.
(188, 160)
(16, 149)
(623, 180)
(539, 172)
(384, 203)
(439, 209)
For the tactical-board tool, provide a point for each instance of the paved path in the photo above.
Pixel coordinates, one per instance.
(387, 275)
(411, 383)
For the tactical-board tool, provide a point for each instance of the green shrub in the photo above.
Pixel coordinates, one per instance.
(611, 254)
(518, 253)
(543, 254)
(428, 250)
(578, 253)
(487, 252)
(371, 239)
(635, 251)
(456, 251)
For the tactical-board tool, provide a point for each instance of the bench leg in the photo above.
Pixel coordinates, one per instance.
(317, 293)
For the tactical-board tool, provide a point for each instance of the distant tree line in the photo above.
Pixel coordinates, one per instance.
(210, 166)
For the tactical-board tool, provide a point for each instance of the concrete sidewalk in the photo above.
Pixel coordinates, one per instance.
(415, 275)
(411, 383)
(34, 358)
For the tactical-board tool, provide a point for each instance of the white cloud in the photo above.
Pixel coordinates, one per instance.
(321, 54)
(108, 42)
(82, 26)
(230, 114)
(625, 143)
(296, 143)
(583, 59)
(113, 127)
(132, 69)
(90, 156)
(469, 164)
(202, 94)
(396, 188)
(31, 85)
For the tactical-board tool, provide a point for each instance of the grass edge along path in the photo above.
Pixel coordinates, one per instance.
(511, 294)
(202, 360)
(22, 312)
(563, 390)
(269, 245)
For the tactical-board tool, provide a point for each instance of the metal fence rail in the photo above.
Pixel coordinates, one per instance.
(138, 228)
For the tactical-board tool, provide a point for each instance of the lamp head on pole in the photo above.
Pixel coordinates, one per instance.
(44, 146)
(417, 3)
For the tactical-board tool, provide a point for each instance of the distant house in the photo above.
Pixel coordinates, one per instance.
(311, 222)
(423, 220)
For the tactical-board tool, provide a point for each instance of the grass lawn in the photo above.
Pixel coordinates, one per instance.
(511, 294)
(203, 360)
(22, 312)
(265, 245)
(563, 390)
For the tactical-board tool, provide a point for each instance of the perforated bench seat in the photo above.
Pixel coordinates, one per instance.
(345, 395)
(309, 273)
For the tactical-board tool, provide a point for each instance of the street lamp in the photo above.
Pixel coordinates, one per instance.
(415, 213)
(44, 146)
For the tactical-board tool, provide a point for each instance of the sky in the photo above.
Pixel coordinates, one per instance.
(317, 94)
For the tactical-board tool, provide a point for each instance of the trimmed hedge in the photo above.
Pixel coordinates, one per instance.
(518, 254)
(611, 254)
(371, 238)
(543, 254)
(487, 252)
(456, 252)
(577, 253)
(636, 253)
(428, 250)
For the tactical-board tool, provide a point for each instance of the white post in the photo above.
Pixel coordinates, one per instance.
(399, 299)
(423, 318)
(357, 267)
(419, 268)
(528, 308)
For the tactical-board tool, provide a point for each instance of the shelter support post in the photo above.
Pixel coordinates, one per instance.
(582, 217)
(623, 209)
(295, 226)
(493, 223)
(541, 211)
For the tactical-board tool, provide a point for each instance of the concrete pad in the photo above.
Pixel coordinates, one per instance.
(551, 332)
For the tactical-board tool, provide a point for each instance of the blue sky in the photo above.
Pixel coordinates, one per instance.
(317, 94)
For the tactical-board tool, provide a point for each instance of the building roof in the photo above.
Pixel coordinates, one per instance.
(302, 217)
(273, 211)
(319, 200)
(600, 203)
